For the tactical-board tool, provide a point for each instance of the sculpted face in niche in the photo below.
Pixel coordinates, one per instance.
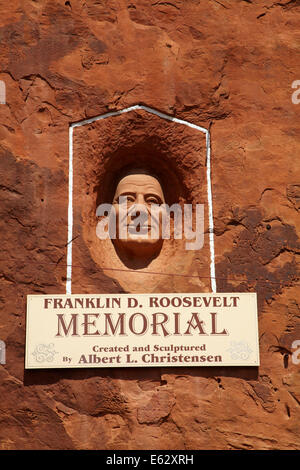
(133, 198)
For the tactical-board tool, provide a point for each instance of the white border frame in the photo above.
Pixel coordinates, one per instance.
(208, 178)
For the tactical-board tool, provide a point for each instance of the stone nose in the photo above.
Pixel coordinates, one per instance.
(138, 210)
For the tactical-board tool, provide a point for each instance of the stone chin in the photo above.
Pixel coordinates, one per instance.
(139, 247)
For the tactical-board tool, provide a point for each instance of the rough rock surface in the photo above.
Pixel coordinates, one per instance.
(226, 65)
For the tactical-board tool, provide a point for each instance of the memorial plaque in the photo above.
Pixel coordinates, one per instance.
(141, 330)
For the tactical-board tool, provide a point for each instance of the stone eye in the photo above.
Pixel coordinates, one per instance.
(126, 199)
(152, 200)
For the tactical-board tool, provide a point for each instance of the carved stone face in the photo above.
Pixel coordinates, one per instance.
(137, 197)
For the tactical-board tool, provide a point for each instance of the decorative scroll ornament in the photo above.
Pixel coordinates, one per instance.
(239, 350)
(44, 352)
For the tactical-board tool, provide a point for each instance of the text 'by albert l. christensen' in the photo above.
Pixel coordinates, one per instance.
(171, 354)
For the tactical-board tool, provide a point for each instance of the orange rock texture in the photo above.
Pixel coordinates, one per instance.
(226, 65)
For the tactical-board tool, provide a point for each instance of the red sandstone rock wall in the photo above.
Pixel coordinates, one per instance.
(227, 65)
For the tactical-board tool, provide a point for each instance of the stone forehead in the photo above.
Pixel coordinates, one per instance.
(140, 179)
